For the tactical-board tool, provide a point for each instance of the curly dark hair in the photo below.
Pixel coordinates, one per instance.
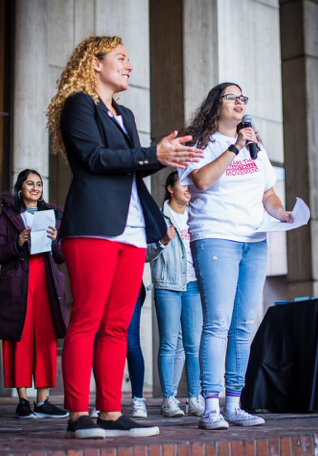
(205, 120)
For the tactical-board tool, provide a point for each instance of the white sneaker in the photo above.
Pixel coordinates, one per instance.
(94, 413)
(176, 401)
(212, 420)
(170, 407)
(195, 406)
(241, 418)
(139, 409)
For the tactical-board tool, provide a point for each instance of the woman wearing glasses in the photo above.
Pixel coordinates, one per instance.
(230, 192)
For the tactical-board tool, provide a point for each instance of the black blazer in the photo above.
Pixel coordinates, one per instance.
(103, 159)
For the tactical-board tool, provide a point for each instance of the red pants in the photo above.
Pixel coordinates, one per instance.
(35, 354)
(105, 280)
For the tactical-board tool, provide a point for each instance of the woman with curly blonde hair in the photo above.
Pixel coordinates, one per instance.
(108, 219)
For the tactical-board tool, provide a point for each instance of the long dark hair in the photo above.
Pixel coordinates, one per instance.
(171, 180)
(205, 120)
(22, 177)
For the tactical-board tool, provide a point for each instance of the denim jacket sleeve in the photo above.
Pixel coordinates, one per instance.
(153, 251)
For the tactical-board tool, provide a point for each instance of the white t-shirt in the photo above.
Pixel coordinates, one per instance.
(180, 221)
(232, 208)
(134, 233)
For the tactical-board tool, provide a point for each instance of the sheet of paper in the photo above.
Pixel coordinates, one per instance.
(40, 242)
(301, 216)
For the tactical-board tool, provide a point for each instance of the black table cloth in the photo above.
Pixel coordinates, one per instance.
(282, 373)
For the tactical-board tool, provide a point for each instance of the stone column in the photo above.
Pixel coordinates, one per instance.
(30, 144)
(200, 52)
(184, 66)
(167, 113)
(299, 46)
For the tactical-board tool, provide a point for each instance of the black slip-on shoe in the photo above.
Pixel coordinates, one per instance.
(84, 428)
(48, 410)
(124, 426)
(24, 410)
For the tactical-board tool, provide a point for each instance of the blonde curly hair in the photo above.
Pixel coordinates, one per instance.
(78, 76)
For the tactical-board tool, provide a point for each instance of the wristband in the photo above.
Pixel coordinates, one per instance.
(234, 149)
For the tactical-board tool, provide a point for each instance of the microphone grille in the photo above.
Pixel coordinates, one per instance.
(247, 119)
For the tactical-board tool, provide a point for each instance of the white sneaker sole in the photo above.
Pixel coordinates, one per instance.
(93, 433)
(32, 417)
(139, 414)
(216, 425)
(136, 432)
(247, 423)
(176, 414)
(195, 413)
(43, 415)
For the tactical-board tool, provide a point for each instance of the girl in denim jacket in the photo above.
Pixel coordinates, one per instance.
(177, 299)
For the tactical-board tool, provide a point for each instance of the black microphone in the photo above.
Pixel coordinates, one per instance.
(247, 122)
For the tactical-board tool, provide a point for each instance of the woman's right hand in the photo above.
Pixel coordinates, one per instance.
(172, 152)
(24, 236)
(245, 135)
(171, 232)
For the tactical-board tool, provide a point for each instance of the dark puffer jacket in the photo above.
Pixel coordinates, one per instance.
(15, 274)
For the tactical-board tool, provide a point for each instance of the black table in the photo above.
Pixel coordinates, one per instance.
(282, 373)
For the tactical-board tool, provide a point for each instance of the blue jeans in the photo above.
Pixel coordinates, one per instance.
(231, 277)
(173, 307)
(135, 359)
(179, 360)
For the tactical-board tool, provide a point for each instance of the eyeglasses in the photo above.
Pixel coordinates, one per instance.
(232, 98)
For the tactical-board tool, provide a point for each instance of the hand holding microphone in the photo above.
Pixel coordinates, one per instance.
(247, 123)
(247, 135)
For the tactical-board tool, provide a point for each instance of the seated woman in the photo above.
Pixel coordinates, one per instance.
(32, 311)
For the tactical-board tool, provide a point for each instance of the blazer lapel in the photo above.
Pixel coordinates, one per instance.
(128, 136)
(126, 122)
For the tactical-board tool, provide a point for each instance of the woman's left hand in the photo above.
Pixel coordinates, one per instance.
(171, 151)
(274, 207)
(52, 232)
(285, 217)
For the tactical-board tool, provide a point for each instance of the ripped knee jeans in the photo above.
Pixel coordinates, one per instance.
(231, 277)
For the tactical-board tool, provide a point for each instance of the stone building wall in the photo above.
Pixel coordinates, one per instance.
(179, 50)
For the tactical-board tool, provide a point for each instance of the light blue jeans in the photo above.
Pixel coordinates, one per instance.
(179, 360)
(173, 307)
(231, 277)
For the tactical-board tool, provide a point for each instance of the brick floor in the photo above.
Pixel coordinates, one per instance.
(283, 434)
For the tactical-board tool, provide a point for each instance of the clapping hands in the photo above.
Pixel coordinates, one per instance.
(171, 151)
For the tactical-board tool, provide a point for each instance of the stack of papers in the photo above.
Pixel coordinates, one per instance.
(300, 214)
(40, 242)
